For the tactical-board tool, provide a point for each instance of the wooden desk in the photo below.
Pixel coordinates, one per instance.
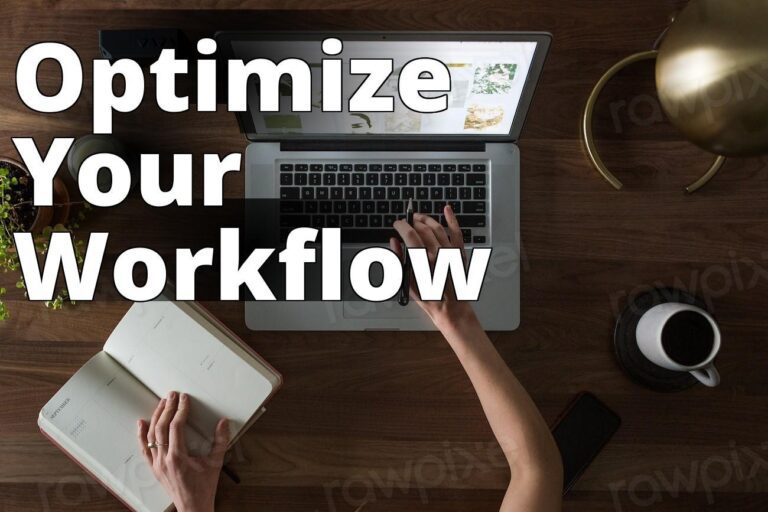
(391, 419)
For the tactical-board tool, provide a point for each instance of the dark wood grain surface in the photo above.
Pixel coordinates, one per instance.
(388, 419)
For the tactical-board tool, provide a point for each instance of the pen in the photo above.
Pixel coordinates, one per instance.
(406, 286)
(231, 474)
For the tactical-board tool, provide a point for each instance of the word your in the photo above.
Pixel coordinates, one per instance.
(416, 76)
(466, 280)
(44, 168)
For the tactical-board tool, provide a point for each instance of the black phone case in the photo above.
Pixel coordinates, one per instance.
(567, 485)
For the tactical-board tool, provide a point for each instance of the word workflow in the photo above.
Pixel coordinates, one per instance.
(431, 277)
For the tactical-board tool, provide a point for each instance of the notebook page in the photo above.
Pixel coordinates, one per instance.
(94, 417)
(222, 333)
(167, 349)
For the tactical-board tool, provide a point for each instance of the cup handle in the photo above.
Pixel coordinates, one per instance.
(709, 376)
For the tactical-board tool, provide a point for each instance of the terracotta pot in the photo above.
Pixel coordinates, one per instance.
(47, 215)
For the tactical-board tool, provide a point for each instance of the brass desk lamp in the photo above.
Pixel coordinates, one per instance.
(711, 78)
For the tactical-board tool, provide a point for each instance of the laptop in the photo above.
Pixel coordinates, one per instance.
(357, 170)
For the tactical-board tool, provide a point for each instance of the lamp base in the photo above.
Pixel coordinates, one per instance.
(631, 360)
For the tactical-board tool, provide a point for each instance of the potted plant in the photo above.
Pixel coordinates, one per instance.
(19, 214)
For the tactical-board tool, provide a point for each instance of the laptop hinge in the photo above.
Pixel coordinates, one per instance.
(381, 145)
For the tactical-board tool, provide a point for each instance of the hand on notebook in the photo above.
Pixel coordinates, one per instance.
(190, 481)
(428, 233)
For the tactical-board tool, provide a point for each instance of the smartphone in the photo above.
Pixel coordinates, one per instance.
(583, 429)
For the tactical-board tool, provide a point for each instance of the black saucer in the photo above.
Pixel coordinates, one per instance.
(631, 359)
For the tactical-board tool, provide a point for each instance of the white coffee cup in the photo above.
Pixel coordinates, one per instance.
(649, 340)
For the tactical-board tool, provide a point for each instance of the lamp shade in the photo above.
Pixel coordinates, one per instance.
(712, 75)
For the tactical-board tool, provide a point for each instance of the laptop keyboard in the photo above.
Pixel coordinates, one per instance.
(365, 198)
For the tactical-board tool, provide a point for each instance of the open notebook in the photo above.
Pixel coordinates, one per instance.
(157, 347)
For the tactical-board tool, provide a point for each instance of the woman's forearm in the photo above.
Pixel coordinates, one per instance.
(515, 420)
(524, 436)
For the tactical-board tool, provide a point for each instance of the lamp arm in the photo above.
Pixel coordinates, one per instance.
(589, 139)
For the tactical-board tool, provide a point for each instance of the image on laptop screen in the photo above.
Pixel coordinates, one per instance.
(487, 81)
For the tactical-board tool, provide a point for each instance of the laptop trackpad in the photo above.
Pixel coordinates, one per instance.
(356, 308)
(359, 309)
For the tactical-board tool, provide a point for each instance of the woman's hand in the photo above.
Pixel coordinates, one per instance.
(190, 481)
(426, 232)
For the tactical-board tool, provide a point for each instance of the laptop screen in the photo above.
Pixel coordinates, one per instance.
(488, 79)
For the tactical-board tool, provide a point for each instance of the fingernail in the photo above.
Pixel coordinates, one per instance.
(172, 395)
(183, 397)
